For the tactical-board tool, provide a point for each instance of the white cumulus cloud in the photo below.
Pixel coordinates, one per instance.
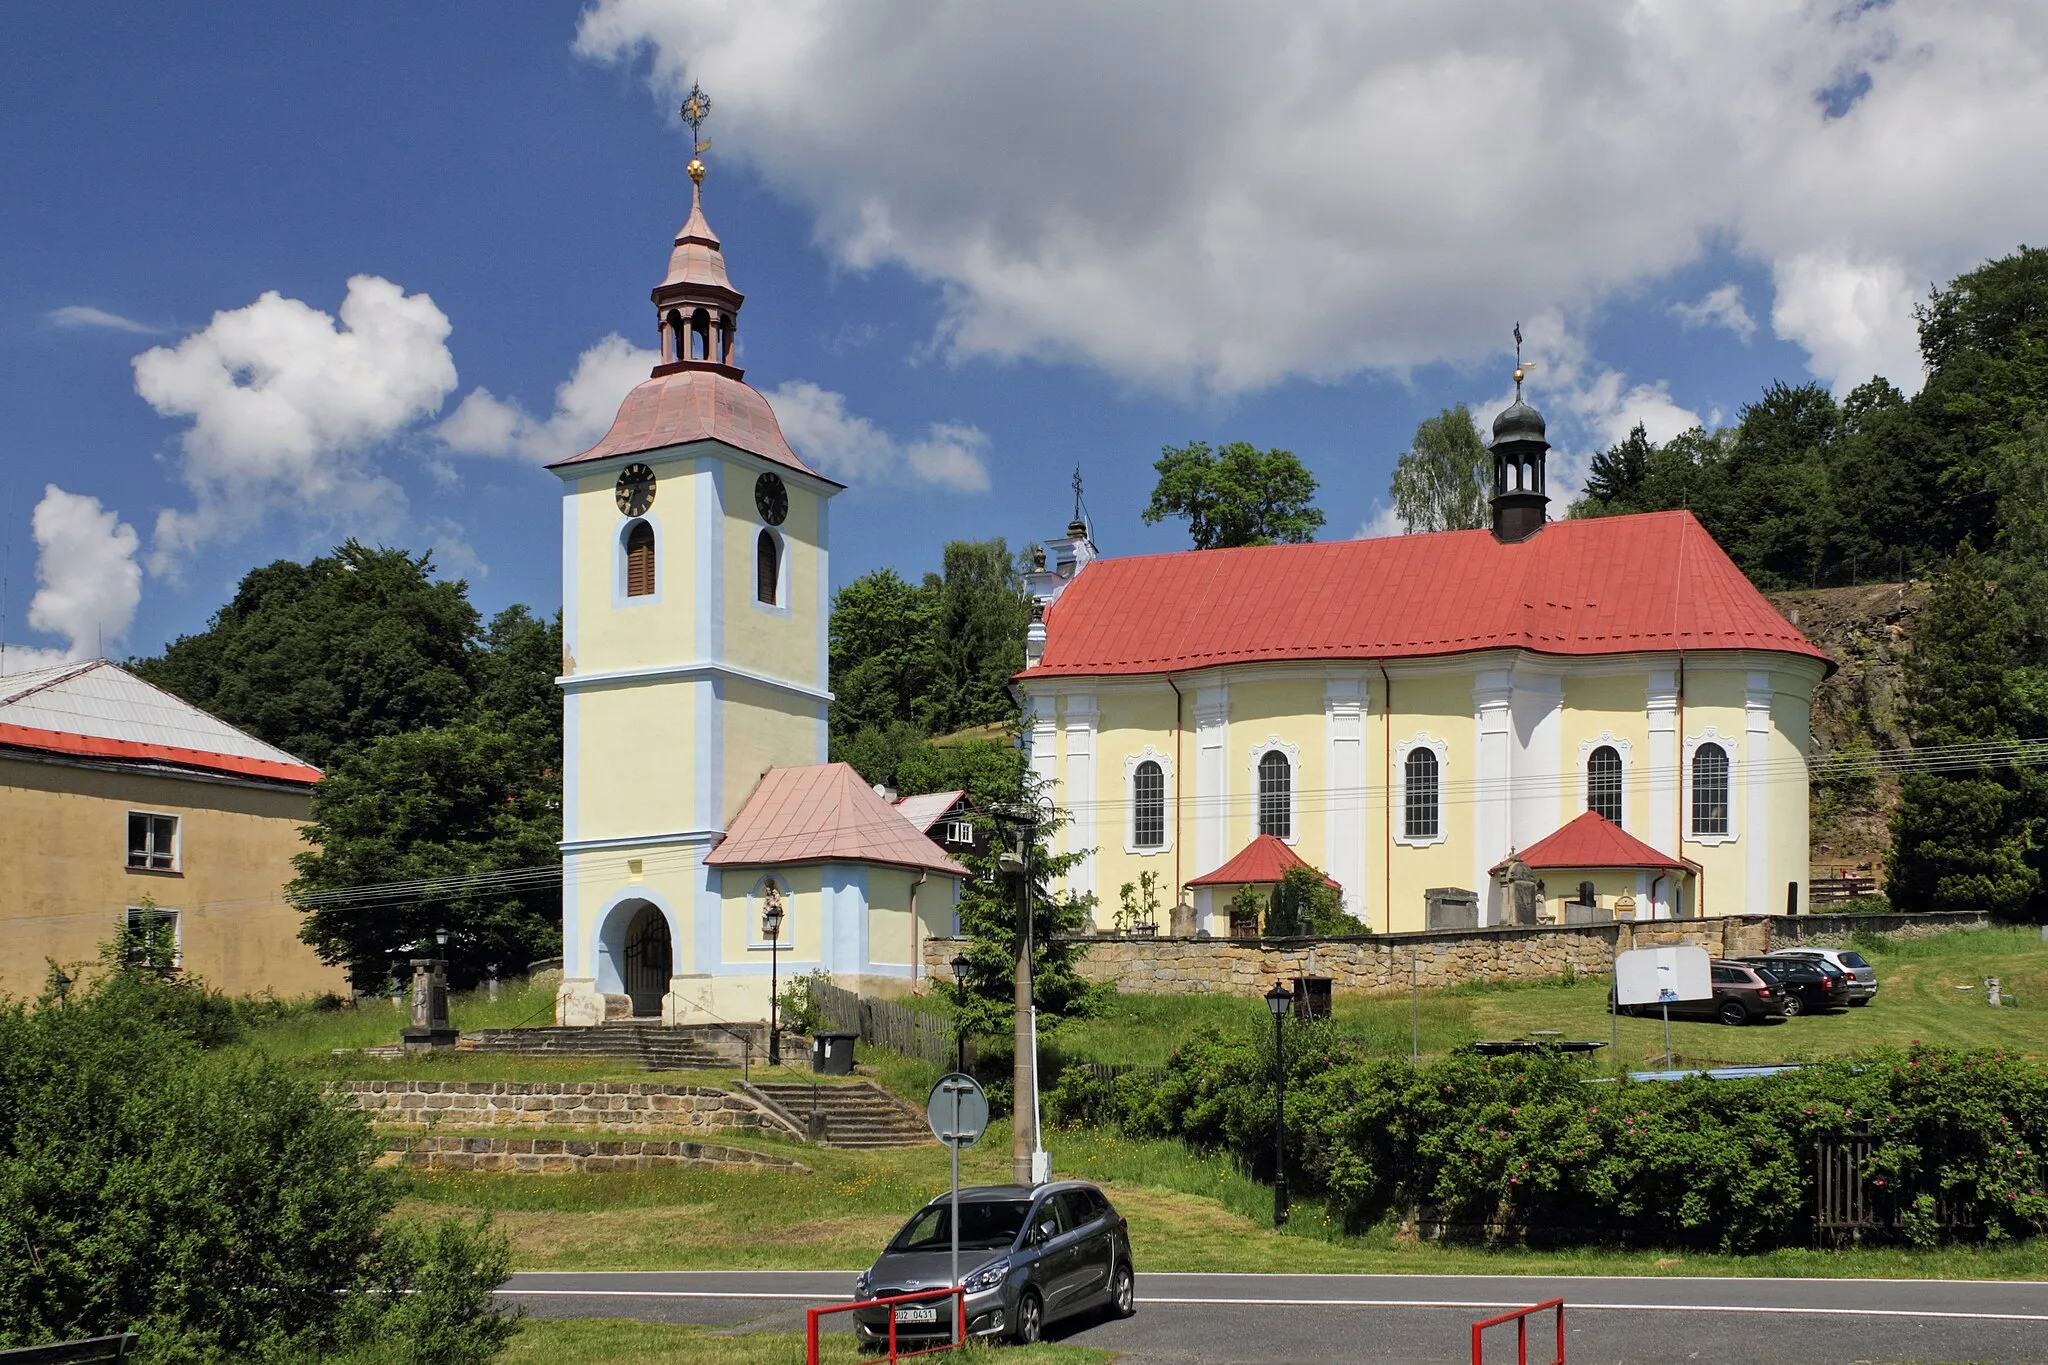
(1721, 307)
(285, 402)
(78, 315)
(851, 448)
(585, 403)
(89, 580)
(1220, 195)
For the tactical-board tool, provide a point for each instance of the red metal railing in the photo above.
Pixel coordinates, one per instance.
(1520, 1317)
(955, 1292)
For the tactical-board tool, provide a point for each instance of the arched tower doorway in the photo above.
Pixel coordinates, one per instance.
(648, 961)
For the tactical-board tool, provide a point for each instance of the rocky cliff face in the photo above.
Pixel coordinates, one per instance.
(1868, 632)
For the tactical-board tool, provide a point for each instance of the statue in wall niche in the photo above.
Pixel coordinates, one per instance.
(1521, 895)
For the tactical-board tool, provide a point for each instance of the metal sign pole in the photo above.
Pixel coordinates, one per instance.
(1667, 1035)
(959, 1304)
(1614, 1009)
(1414, 1011)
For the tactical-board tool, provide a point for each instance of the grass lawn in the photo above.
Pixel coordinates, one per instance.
(1919, 1000)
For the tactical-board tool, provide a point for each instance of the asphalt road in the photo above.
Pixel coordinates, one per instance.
(1290, 1319)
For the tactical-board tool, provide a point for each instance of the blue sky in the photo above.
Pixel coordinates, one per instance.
(1007, 242)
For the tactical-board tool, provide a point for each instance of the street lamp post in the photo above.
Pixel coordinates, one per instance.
(960, 965)
(1277, 1001)
(771, 929)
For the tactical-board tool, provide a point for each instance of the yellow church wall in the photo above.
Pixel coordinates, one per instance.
(1791, 810)
(1616, 706)
(765, 728)
(612, 630)
(1561, 887)
(642, 738)
(780, 641)
(739, 922)
(1287, 711)
(1436, 704)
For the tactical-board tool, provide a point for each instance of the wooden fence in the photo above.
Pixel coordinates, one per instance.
(1850, 1204)
(886, 1024)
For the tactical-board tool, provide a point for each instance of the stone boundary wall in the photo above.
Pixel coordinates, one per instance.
(1380, 963)
(609, 1106)
(559, 1156)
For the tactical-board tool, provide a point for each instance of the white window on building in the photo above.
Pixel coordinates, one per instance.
(1709, 790)
(152, 841)
(145, 923)
(1276, 795)
(955, 831)
(1603, 783)
(1148, 805)
(1421, 796)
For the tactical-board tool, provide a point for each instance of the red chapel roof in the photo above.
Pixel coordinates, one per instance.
(1264, 860)
(1605, 585)
(1592, 840)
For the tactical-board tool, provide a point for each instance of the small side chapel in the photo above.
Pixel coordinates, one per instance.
(695, 593)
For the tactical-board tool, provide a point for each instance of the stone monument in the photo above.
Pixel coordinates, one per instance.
(429, 1026)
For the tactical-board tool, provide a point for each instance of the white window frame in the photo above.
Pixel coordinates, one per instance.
(1442, 751)
(177, 919)
(780, 606)
(957, 829)
(1273, 744)
(177, 867)
(619, 595)
(1148, 754)
(1606, 739)
(756, 941)
(1733, 748)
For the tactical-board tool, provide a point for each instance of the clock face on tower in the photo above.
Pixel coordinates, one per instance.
(771, 499)
(635, 491)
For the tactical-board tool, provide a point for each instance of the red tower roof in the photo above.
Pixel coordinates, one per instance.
(1606, 585)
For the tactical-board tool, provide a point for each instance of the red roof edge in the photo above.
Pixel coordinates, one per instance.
(90, 746)
(1262, 862)
(1592, 840)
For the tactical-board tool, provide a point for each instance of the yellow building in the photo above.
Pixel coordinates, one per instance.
(120, 802)
(1408, 711)
(694, 603)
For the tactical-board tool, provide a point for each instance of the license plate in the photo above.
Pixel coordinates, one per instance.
(917, 1313)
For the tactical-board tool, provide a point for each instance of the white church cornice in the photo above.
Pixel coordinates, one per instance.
(700, 668)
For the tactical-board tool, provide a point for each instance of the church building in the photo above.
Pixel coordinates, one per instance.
(696, 791)
(1604, 713)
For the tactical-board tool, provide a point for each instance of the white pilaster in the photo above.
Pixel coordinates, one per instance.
(1492, 835)
(1212, 780)
(1042, 741)
(1662, 774)
(1079, 795)
(1757, 791)
(1537, 762)
(1344, 707)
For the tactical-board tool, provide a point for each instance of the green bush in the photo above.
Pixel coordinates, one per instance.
(218, 1204)
(1528, 1150)
(799, 1009)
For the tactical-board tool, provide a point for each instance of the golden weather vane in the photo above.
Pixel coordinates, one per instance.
(695, 110)
(1522, 367)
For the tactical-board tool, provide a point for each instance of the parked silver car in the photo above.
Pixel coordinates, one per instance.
(1862, 976)
(1028, 1256)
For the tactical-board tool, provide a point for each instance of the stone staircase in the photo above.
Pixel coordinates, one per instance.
(686, 1048)
(858, 1115)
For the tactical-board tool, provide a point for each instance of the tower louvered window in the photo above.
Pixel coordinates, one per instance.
(767, 568)
(1148, 804)
(1276, 795)
(640, 560)
(1710, 790)
(1421, 816)
(1603, 783)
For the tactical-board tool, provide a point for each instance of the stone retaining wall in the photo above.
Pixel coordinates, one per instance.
(1381, 962)
(615, 1107)
(559, 1156)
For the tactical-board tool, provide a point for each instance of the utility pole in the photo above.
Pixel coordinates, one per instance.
(1024, 1064)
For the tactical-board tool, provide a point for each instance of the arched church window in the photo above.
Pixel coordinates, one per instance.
(767, 567)
(1276, 795)
(640, 560)
(1148, 805)
(1710, 790)
(1421, 813)
(678, 344)
(700, 335)
(1603, 783)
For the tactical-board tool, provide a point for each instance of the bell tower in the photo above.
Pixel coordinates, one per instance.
(1519, 448)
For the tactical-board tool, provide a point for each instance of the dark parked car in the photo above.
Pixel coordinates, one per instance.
(1742, 995)
(1027, 1257)
(1809, 984)
(1862, 976)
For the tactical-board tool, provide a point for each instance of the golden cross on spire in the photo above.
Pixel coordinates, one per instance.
(695, 110)
(1519, 370)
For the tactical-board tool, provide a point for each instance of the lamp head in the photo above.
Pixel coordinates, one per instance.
(441, 937)
(1278, 999)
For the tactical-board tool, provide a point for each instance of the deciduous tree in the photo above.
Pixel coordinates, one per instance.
(1239, 495)
(1443, 480)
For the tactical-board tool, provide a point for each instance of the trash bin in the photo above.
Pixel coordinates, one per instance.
(832, 1053)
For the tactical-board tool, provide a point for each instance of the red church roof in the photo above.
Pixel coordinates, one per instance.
(1262, 861)
(1595, 841)
(824, 814)
(1606, 585)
